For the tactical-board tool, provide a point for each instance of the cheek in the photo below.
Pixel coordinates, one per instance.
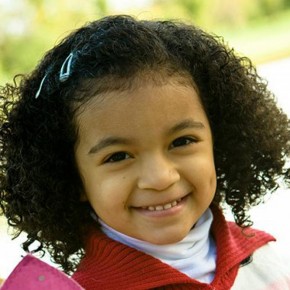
(210, 172)
(108, 193)
(201, 173)
(201, 167)
(213, 182)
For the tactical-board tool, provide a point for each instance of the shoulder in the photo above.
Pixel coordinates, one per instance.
(267, 270)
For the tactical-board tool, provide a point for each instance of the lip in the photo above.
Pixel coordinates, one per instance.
(164, 212)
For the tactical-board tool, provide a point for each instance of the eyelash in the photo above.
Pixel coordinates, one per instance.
(122, 155)
(183, 141)
(115, 157)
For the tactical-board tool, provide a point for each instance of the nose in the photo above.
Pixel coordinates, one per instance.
(157, 173)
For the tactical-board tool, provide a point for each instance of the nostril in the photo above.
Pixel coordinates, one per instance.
(157, 172)
(158, 180)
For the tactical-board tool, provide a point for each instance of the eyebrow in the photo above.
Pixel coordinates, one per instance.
(114, 140)
(109, 141)
(186, 124)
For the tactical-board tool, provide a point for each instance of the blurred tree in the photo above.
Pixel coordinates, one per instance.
(210, 13)
(101, 6)
(182, 9)
(30, 27)
(270, 7)
(29, 31)
(193, 7)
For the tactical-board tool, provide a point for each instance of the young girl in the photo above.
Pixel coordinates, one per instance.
(119, 151)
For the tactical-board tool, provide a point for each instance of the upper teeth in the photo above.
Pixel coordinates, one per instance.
(162, 207)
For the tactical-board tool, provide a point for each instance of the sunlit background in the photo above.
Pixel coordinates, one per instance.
(259, 29)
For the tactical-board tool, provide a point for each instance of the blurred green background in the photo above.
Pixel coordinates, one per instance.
(259, 29)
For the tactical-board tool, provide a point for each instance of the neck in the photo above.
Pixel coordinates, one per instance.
(194, 255)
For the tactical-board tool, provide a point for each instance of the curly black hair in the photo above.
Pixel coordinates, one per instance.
(40, 184)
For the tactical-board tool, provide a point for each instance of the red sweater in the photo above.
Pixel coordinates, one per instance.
(111, 265)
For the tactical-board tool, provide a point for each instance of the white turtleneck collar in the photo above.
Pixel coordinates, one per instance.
(194, 256)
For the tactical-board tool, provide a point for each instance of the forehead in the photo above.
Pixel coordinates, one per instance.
(145, 104)
(93, 91)
(99, 87)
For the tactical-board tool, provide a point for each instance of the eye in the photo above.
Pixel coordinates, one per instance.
(117, 157)
(182, 141)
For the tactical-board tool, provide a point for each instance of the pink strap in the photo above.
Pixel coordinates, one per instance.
(34, 274)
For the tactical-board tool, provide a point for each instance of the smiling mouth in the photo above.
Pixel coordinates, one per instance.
(160, 207)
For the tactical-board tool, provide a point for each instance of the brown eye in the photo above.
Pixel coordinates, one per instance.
(182, 141)
(117, 157)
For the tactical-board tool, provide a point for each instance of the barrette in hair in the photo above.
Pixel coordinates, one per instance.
(40, 87)
(66, 68)
(64, 73)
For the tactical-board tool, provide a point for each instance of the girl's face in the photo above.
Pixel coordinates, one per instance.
(146, 160)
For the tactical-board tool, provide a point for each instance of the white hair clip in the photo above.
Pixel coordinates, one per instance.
(64, 73)
(66, 68)
(40, 87)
